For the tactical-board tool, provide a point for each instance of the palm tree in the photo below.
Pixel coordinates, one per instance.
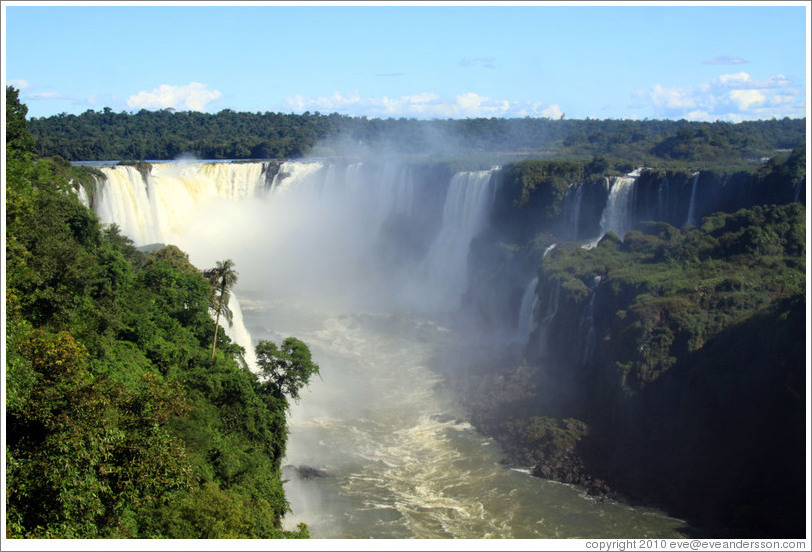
(222, 279)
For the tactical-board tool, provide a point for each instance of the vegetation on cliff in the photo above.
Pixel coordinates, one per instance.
(119, 421)
(667, 367)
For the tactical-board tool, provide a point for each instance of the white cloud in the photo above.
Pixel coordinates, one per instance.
(731, 96)
(672, 98)
(552, 112)
(745, 99)
(50, 95)
(193, 96)
(424, 105)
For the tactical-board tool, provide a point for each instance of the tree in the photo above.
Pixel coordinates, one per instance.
(287, 369)
(223, 279)
(18, 138)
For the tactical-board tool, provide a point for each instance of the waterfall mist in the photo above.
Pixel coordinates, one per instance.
(365, 261)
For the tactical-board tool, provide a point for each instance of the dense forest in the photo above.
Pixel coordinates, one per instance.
(167, 134)
(127, 414)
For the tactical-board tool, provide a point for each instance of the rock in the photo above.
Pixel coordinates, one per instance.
(307, 472)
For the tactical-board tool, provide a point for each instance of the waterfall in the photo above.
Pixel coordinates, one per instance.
(530, 300)
(159, 208)
(544, 326)
(662, 198)
(575, 209)
(798, 188)
(316, 226)
(617, 215)
(528, 306)
(240, 335)
(465, 214)
(691, 205)
(588, 324)
(81, 194)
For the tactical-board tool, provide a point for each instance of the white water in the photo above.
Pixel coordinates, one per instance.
(575, 210)
(465, 214)
(400, 460)
(690, 220)
(527, 308)
(551, 312)
(530, 300)
(617, 215)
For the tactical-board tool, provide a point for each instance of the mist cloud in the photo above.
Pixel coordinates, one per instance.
(193, 96)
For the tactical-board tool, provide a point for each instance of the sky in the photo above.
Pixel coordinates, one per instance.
(695, 61)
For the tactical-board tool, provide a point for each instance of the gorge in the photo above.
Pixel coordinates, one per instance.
(435, 298)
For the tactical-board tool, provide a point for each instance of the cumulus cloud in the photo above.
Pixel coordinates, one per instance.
(193, 96)
(424, 105)
(746, 99)
(725, 59)
(731, 96)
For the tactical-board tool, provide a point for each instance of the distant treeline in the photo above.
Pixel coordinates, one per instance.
(167, 134)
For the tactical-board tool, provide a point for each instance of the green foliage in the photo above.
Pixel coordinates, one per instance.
(288, 368)
(119, 422)
(673, 290)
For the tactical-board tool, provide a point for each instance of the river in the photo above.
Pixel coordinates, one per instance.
(395, 455)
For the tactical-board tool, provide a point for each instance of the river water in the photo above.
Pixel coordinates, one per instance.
(394, 454)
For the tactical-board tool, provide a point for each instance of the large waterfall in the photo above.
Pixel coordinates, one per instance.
(361, 260)
(470, 196)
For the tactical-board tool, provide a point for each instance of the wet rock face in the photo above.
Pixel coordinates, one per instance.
(568, 467)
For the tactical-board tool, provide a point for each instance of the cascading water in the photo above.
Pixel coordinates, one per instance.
(398, 458)
(530, 300)
(617, 216)
(465, 214)
(663, 190)
(543, 338)
(528, 306)
(798, 188)
(575, 209)
(588, 324)
(690, 220)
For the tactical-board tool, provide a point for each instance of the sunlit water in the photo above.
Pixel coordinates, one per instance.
(398, 458)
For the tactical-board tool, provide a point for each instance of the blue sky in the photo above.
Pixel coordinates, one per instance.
(695, 61)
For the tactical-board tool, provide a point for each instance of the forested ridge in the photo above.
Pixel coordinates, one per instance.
(167, 134)
(667, 366)
(122, 418)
